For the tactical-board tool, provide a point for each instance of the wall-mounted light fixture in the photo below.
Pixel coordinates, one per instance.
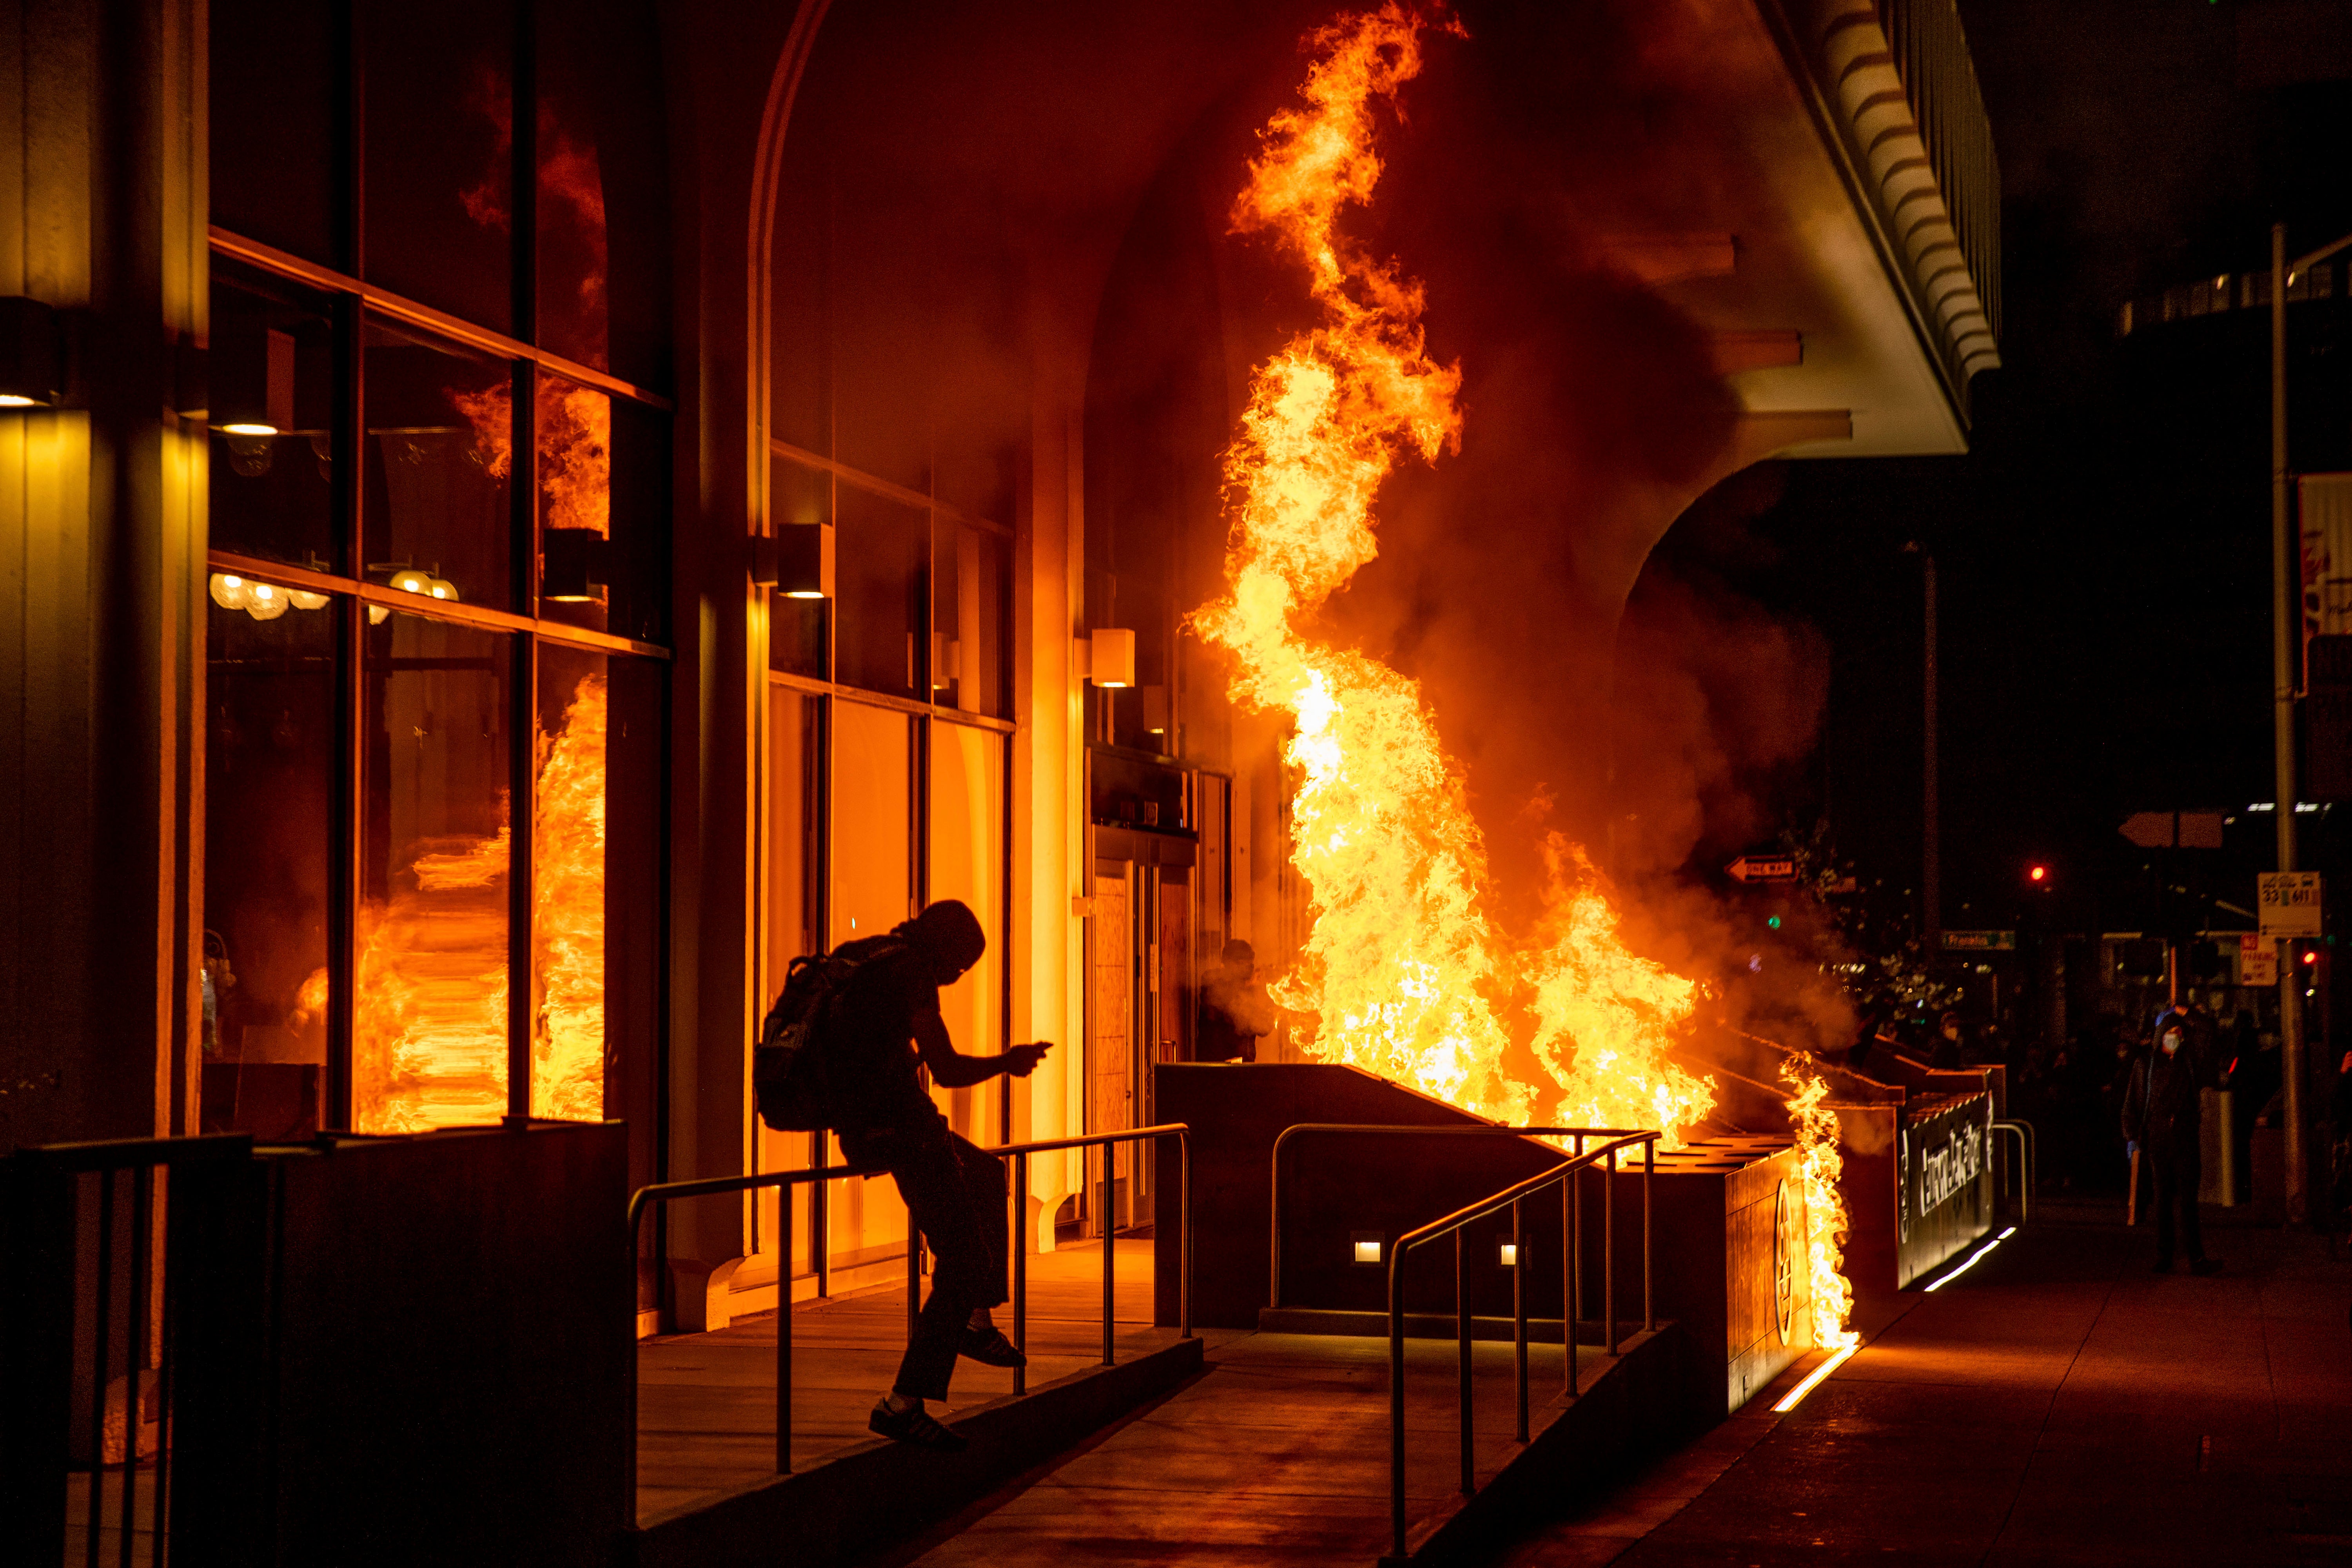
(1365, 1247)
(32, 354)
(262, 601)
(1110, 658)
(415, 580)
(572, 565)
(796, 560)
(1506, 1254)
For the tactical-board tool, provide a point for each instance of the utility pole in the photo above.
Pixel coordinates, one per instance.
(1931, 880)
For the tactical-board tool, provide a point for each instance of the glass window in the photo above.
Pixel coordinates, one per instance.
(967, 862)
(440, 153)
(603, 228)
(273, 395)
(440, 458)
(967, 602)
(568, 896)
(795, 904)
(880, 555)
(603, 474)
(269, 771)
(275, 128)
(873, 820)
(799, 630)
(430, 1021)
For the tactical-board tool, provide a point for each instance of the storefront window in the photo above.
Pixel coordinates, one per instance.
(431, 1012)
(269, 749)
(966, 861)
(440, 458)
(440, 153)
(274, 374)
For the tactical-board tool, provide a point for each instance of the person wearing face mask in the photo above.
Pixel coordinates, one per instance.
(2161, 1113)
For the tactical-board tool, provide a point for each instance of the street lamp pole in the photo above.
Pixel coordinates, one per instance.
(2286, 616)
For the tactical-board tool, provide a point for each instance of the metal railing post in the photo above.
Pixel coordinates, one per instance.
(1184, 1236)
(820, 1217)
(1461, 1340)
(1649, 1305)
(784, 1337)
(1520, 1310)
(1609, 1253)
(100, 1344)
(143, 1190)
(1573, 1195)
(1020, 1239)
(1110, 1231)
(164, 1329)
(914, 1274)
(1396, 1402)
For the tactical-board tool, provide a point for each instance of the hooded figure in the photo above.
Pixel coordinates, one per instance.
(889, 1026)
(2162, 1119)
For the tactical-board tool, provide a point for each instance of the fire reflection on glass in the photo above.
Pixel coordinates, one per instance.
(430, 1028)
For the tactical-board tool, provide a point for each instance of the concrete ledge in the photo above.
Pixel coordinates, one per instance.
(1633, 1408)
(878, 1492)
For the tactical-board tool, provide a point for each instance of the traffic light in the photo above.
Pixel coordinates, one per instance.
(2037, 874)
(1773, 921)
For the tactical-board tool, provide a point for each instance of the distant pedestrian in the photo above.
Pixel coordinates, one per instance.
(2161, 1117)
(1945, 1055)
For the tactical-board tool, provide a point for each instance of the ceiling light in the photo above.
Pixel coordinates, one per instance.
(409, 580)
(305, 600)
(265, 603)
(442, 588)
(230, 592)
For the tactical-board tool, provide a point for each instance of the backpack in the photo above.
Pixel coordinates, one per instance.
(789, 1078)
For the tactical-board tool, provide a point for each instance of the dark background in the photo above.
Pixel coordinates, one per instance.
(2104, 548)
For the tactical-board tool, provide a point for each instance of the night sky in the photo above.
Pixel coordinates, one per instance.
(2103, 549)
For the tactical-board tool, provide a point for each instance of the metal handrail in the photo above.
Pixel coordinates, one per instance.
(1397, 1129)
(2028, 1160)
(709, 1186)
(1452, 1225)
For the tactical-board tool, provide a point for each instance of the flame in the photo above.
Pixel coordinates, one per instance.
(430, 1016)
(567, 1046)
(576, 456)
(1402, 969)
(490, 411)
(1819, 1163)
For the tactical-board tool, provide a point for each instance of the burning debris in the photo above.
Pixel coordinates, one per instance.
(1815, 1125)
(1405, 971)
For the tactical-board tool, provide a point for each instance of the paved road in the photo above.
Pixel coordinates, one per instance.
(2058, 1405)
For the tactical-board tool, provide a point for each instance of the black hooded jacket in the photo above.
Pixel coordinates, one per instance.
(2161, 1112)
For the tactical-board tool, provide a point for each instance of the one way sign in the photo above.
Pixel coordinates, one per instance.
(1764, 869)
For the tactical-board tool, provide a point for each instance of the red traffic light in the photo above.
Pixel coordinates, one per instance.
(2311, 958)
(2038, 873)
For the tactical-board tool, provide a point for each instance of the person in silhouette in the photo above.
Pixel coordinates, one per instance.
(888, 1024)
(2161, 1121)
(1235, 1012)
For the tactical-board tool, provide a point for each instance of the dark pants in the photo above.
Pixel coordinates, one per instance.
(2177, 1176)
(954, 1193)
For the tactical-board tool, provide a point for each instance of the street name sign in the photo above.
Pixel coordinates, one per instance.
(2289, 903)
(1981, 941)
(1764, 867)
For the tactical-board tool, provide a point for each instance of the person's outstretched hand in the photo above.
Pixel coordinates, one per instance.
(1022, 1060)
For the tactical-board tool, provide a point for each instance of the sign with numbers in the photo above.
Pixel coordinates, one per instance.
(2289, 903)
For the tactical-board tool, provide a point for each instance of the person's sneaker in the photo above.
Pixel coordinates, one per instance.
(914, 1426)
(2202, 1266)
(991, 1348)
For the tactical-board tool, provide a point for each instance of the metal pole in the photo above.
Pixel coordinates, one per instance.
(1462, 1357)
(1184, 1237)
(1649, 1305)
(142, 1189)
(1021, 1240)
(1519, 1310)
(1575, 1190)
(1396, 1403)
(2286, 573)
(914, 1274)
(101, 1340)
(1931, 888)
(820, 1217)
(1108, 1232)
(785, 1337)
(1609, 1254)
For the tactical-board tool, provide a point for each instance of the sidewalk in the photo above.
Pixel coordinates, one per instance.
(2058, 1403)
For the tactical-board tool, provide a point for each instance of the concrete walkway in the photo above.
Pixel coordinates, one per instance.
(2059, 1404)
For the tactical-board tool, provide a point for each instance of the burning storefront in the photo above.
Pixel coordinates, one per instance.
(645, 492)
